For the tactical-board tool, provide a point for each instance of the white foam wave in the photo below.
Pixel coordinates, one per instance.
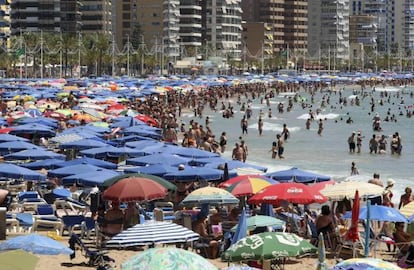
(320, 116)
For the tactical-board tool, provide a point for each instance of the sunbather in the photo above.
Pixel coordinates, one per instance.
(113, 220)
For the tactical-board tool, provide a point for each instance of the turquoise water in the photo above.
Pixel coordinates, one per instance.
(327, 154)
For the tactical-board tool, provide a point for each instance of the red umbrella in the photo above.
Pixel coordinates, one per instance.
(291, 192)
(239, 178)
(352, 233)
(135, 189)
(5, 130)
(321, 185)
(147, 119)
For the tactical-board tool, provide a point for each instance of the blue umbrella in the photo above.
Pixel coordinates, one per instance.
(156, 169)
(83, 144)
(39, 120)
(143, 143)
(235, 164)
(11, 138)
(193, 152)
(16, 172)
(15, 146)
(241, 231)
(36, 129)
(36, 244)
(48, 164)
(34, 154)
(297, 175)
(379, 213)
(194, 174)
(71, 170)
(90, 179)
(61, 193)
(166, 159)
(90, 161)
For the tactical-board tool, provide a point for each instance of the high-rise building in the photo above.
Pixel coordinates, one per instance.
(4, 21)
(96, 16)
(328, 30)
(70, 16)
(35, 16)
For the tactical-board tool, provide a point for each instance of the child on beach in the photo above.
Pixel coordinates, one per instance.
(274, 149)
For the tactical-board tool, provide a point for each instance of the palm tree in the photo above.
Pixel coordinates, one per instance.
(32, 47)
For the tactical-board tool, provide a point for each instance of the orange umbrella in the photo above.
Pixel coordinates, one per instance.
(134, 189)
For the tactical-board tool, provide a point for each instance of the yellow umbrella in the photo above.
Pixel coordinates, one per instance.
(17, 260)
(346, 189)
(408, 209)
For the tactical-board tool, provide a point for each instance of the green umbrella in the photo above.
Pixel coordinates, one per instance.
(166, 259)
(261, 221)
(168, 185)
(267, 246)
(18, 260)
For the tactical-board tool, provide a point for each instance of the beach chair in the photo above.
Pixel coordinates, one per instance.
(96, 257)
(12, 224)
(71, 222)
(87, 227)
(46, 219)
(158, 214)
(26, 221)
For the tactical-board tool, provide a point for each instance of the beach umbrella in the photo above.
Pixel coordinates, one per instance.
(90, 179)
(90, 161)
(249, 177)
(54, 115)
(379, 213)
(83, 144)
(268, 246)
(11, 138)
(291, 192)
(321, 185)
(249, 186)
(168, 185)
(321, 254)
(71, 170)
(156, 169)
(297, 175)
(34, 154)
(365, 264)
(167, 259)
(241, 230)
(353, 233)
(194, 174)
(210, 195)
(160, 158)
(408, 209)
(48, 164)
(15, 146)
(135, 189)
(258, 221)
(16, 172)
(34, 128)
(36, 244)
(346, 189)
(18, 260)
(152, 233)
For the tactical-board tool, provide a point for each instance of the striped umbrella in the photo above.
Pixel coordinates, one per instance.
(250, 186)
(152, 233)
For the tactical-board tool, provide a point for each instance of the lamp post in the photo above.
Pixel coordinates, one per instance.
(79, 52)
(142, 54)
(128, 73)
(41, 54)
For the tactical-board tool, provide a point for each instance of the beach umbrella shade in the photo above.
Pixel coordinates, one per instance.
(18, 260)
(194, 174)
(90, 179)
(83, 144)
(135, 189)
(16, 172)
(36, 244)
(321, 254)
(156, 169)
(168, 185)
(258, 221)
(160, 158)
(48, 164)
(379, 213)
(167, 259)
(249, 177)
(346, 189)
(297, 175)
(34, 154)
(267, 246)
(321, 185)
(353, 233)
(91, 161)
(241, 230)
(291, 192)
(365, 264)
(71, 170)
(11, 138)
(16, 146)
(249, 186)
(152, 233)
(408, 209)
(210, 195)
(55, 115)
(36, 129)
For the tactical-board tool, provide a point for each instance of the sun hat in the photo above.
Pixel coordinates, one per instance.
(390, 182)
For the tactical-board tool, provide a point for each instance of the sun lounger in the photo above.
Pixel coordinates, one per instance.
(71, 222)
(12, 224)
(47, 224)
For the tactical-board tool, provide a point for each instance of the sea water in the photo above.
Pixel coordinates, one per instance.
(327, 154)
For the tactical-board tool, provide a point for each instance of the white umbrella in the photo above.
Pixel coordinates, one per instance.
(152, 233)
(346, 189)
